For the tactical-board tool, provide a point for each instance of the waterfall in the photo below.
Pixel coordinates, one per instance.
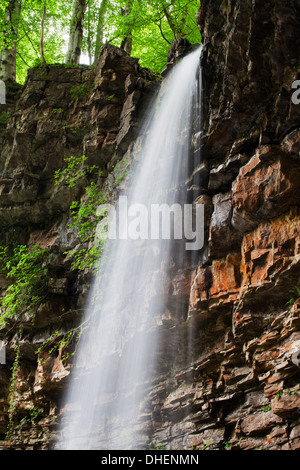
(107, 403)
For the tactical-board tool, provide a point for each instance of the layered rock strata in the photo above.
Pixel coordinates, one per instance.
(60, 115)
(233, 380)
(241, 390)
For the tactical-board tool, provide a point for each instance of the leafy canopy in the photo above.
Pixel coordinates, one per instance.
(153, 25)
(152, 32)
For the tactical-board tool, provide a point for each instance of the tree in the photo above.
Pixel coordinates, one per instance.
(145, 29)
(100, 28)
(31, 46)
(126, 43)
(10, 24)
(76, 32)
(153, 26)
(42, 34)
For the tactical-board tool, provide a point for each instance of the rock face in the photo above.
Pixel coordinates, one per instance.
(246, 338)
(234, 380)
(61, 113)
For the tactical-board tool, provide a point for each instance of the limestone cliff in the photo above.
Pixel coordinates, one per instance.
(241, 388)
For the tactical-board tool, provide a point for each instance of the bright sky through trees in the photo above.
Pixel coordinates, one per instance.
(74, 31)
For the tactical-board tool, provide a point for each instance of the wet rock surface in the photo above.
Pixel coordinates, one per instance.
(233, 379)
(241, 389)
(59, 113)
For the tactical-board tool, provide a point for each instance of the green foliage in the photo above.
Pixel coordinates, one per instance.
(75, 171)
(33, 412)
(85, 221)
(120, 171)
(59, 342)
(153, 445)
(295, 293)
(84, 212)
(25, 269)
(4, 117)
(267, 408)
(74, 129)
(152, 26)
(80, 90)
(57, 111)
(57, 18)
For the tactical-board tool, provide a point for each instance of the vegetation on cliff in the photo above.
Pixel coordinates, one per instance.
(27, 278)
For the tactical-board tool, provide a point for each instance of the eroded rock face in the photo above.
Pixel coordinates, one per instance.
(242, 387)
(233, 380)
(250, 62)
(59, 113)
(62, 113)
(276, 178)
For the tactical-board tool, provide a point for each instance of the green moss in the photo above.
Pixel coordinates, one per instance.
(295, 295)
(81, 90)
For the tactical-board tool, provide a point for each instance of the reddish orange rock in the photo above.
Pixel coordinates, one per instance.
(286, 405)
(226, 276)
(270, 250)
(266, 187)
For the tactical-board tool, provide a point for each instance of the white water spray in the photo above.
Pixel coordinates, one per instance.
(106, 404)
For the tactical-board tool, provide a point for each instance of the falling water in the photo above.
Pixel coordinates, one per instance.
(106, 404)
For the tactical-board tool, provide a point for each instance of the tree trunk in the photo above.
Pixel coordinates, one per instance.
(76, 32)
(100, 27)
(8, 57)
(126, 44)
(171, 24)
(42, 35)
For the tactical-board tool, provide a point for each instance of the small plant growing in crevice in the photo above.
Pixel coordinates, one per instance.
(267, 408)
(153, 445)
(295, 293)
(121, 171)
(74, 129)
(4, 117)
(54, 344)
(75, 171)
(57, 112)
(85, 220)
(81, 90)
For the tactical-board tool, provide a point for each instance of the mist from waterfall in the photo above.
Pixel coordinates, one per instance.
(107, 403)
